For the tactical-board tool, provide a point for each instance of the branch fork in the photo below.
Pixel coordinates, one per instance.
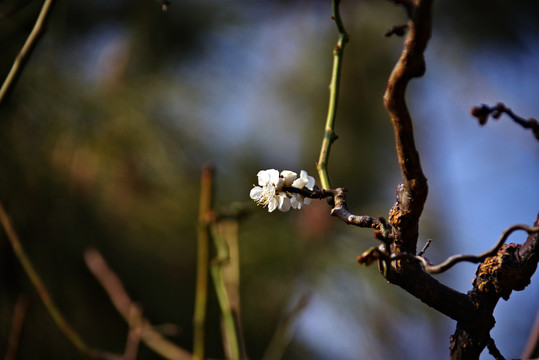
(396, 255)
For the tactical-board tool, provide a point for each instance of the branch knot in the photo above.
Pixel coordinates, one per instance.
(504, 272)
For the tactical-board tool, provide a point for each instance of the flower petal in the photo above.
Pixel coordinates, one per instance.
(284, 203)
(256, 192)
(310, 183)
(299, 183)
(289, 177)
(296, 201)
(263, 177)
(279, 184)
(272, 204)
(273, 176)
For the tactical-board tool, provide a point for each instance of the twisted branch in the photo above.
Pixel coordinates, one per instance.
(410, 65)
(483, 112)
(455, 259)
(413, 193)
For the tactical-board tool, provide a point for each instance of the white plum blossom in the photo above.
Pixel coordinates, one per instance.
(289, 177)
(304, 181)
(270, 193)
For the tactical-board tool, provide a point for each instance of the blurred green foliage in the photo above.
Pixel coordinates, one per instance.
(103, 136)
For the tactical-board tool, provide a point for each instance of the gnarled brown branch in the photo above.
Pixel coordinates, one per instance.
(413, 194)
(511, 268)
(503, 268)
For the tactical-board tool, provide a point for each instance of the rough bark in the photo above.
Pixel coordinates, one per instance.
(497, 276)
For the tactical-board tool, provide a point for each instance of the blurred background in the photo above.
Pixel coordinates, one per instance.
(103, 137)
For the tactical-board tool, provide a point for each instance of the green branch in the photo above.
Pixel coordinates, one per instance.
(329, 133)
(230, 334)
(208, 231)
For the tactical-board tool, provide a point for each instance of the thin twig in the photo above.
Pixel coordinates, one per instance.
(285, 330)
(339, 209)
(201, 291)
(125, 306)
(315, 193)
(133, 335)
(398, 30)
(35, 279)
(455, 259)
(17, 321)
(427, 244)
(25, 51)
(329, 132)
(493, 350)
(483, 112)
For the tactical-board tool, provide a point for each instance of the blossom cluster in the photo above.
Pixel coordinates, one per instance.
(270, 193)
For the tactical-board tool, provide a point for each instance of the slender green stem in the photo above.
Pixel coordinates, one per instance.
(35, 279)
(329, 133)
(201, 292)
(231, 274)
(30, 41)
(230, 332)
